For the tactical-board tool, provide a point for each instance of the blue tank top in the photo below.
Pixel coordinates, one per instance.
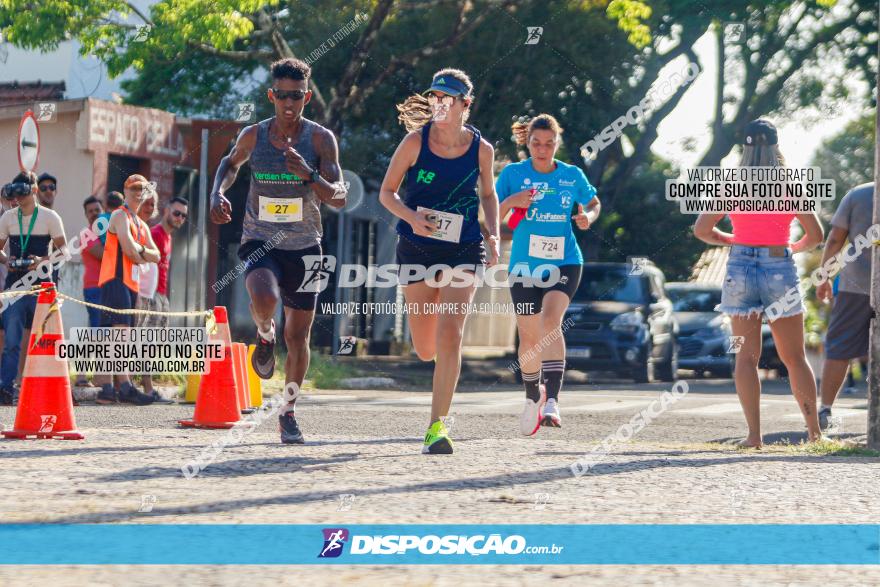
(446, 185)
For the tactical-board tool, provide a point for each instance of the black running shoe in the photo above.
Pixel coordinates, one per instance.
(6, 397)
(263, 359)
(824, 415)
(290, 432)
(130, 394)
(107, 395)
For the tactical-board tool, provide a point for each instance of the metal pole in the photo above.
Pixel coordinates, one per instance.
(340, 254)
(202, 215)
(874, 345)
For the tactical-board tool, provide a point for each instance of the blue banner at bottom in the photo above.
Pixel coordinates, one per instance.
(404, 544)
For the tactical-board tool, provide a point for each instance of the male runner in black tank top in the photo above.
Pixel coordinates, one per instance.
(314, 177)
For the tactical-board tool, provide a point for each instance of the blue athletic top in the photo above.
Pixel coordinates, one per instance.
(549, 215)
(446, 185)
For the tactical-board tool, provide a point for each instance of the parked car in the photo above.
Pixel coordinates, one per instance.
(703, 339)
(621, 320)
(769, 357)
(703, 333)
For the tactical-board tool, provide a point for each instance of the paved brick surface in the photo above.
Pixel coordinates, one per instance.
(366, 444)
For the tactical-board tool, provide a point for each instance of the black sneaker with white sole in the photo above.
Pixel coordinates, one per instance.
(263, 359)
(290, 432)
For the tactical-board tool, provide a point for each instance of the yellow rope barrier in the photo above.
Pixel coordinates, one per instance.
(192, 314)
(208, 315)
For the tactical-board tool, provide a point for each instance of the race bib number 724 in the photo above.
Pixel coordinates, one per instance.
(546, 247)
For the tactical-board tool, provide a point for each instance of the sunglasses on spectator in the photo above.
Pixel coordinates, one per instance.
(295, 95)
(49, 187)
(179, 214)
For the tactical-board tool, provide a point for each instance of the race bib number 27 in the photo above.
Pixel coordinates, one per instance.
(281, 209)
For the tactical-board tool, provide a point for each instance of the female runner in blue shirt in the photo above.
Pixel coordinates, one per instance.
(442, 159)
(549, 189)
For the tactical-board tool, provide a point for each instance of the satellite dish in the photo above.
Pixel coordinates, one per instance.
(355, 187)
(28, 142)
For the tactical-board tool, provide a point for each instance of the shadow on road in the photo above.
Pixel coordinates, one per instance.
(675, 459)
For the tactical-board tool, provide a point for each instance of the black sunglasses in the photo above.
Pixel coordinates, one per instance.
(295, 95)
(49, 187)
(179, 214)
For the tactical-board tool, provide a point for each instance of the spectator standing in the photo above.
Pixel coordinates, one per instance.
(31, 230)
(848, 327)
(128, 246)
(48, 189)
(92, 251)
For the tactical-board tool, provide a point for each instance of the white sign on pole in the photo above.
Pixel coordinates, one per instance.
(28, 142)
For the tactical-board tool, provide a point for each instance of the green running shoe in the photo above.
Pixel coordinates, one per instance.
(437, 441)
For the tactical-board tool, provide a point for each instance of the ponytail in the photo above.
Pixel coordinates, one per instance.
(522, 130)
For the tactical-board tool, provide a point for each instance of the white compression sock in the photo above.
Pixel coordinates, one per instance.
(268, 335)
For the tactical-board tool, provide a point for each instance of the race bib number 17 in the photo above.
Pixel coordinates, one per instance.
(448, 224)
(281, 209)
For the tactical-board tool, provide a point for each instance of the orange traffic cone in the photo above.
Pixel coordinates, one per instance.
(45, 405)
(217, 403)
(239, 355)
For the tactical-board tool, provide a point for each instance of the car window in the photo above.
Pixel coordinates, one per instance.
(601, 284)
(694, 300)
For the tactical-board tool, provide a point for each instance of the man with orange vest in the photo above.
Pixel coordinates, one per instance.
(128, 246)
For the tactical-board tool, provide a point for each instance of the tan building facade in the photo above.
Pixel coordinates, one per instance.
(91, 146)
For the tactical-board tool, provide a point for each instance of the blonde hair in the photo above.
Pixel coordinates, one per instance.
(761, 156)
(522, 130)
(415, 112)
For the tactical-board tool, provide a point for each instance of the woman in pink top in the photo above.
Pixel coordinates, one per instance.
(762, 279)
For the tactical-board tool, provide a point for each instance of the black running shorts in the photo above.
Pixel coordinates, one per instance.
(426, 255)
(528, 295)
(301, 274)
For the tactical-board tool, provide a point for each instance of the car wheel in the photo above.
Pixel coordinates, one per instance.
(725, 372)
(668, 370)
(644, 372)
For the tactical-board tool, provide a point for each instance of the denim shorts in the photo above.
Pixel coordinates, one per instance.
(755, 281)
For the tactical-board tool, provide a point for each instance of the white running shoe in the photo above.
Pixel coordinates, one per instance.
(550, 414)
(530, 420)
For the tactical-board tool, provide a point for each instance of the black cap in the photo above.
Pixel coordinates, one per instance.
(759, 132)
(44, 176)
